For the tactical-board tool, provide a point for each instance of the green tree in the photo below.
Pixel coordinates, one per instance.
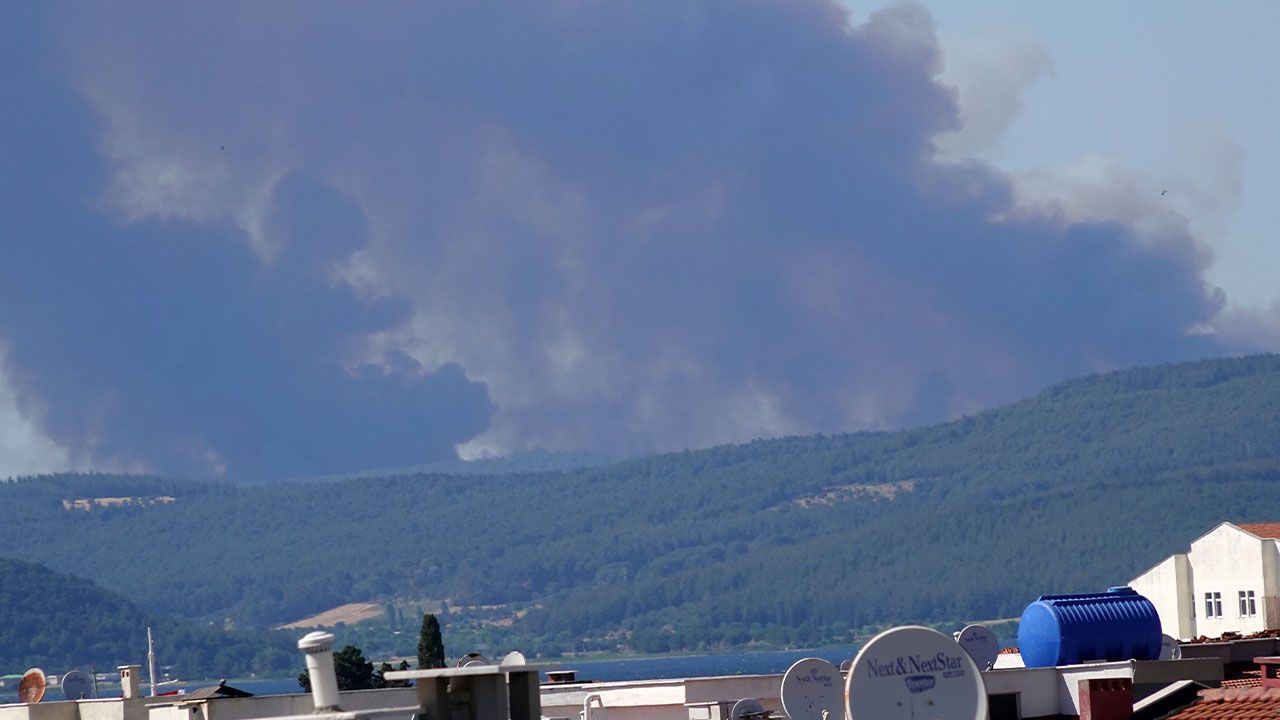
(353, 670)
(430, 643)
(386, 667)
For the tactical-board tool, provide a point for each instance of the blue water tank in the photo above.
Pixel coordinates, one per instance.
(1118, 624)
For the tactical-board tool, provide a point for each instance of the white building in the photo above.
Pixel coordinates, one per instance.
(1229, 581)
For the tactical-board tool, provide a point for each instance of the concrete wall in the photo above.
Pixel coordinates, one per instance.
(1037, 688)
(1055, 692)
(659, 699)
(115, 709)
(1270, 604)
(1228, 560)
(261, 706)
(1168, 587)
(100, 709)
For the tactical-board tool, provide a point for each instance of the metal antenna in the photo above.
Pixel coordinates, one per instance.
(151, 661)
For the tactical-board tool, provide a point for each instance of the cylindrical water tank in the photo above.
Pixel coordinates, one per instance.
(1118, 624)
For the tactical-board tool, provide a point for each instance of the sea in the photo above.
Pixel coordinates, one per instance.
(661, 667)
(640, 668)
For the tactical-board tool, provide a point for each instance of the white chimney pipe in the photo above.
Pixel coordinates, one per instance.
(318, 649)
(129, 684)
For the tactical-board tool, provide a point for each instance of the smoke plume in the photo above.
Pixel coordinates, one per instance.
(282, 238)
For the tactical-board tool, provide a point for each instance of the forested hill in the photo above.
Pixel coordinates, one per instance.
(60, 622)
(794, 540)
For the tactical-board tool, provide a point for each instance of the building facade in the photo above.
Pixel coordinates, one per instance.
(1228, 581)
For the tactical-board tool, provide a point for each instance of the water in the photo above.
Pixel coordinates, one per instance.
(677, 666)
(647, 668)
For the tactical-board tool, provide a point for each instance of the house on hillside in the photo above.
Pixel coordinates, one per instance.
(1229, 581)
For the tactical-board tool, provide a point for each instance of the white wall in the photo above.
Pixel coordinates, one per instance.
(1168, 587)
(1271, 582)
(262, 706)
(1037, 688)
(98, 709)
(1227, 560)
(660, 699)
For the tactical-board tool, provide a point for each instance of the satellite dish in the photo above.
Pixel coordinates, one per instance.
(846, 664)
(75, 685)
(746, 707)
(472, 659)
(811, 688)
(1170, 648)
(981, 644)
(513, 658)
(32, 686)
(914, 672)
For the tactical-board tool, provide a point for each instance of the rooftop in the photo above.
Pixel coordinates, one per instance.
(1233, 704)
(1269, 530)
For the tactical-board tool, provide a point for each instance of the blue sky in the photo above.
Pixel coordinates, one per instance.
(1161, 88)
(265, 240)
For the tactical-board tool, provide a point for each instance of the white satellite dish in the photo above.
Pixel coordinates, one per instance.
(745, 707)
(914, 672)
(1170, 648)
(75, 685)
(811, 688)
(513, 658)
(473, 659)
(981, 644)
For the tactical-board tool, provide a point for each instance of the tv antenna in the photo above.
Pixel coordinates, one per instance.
(746, 708)
(1170, 648)
(914, 672)
(473, 659)
(32, 686)
(75, 686)
(981, 644)
(151, 661)
(811, 689)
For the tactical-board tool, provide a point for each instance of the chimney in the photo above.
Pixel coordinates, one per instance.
(318, 649)
(129, 679)
(1106, 699)
(1270, 667)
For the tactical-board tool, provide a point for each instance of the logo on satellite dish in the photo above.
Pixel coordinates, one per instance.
(950, 665)
(920, 683)
(814, 676)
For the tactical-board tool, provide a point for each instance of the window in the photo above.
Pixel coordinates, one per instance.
(1248, 604)
(1213, 604)
(1004, 706)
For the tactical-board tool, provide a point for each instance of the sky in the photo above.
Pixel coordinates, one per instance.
(269, 240)
(1175, 93)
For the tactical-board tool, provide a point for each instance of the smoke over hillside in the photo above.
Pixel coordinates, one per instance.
(273, 239)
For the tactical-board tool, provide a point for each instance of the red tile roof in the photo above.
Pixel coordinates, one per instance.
(1263, 530)
(1233, 704)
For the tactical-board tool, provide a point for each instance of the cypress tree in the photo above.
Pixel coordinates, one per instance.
(430, 643)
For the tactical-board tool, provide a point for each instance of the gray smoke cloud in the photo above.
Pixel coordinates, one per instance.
(639, 225)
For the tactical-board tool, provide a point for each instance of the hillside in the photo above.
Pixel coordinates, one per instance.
(60, 622)
(794, 540)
